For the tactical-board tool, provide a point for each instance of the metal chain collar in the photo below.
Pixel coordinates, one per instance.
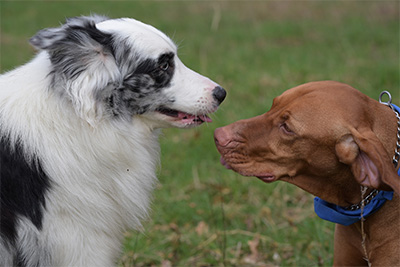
(396, 156)
(364, 202)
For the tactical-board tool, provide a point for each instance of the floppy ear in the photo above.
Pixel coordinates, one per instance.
(369, 161)
(82, 62)
(47, 39)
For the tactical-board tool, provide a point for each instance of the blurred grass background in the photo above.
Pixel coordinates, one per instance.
(204, 215)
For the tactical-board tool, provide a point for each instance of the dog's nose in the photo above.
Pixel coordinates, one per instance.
(219, 94)
(222, 137)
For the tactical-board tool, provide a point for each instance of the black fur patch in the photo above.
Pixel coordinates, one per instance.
(141, 89)
(22, 191)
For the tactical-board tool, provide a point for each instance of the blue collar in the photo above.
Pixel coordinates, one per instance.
(337, 214)
(396, 108)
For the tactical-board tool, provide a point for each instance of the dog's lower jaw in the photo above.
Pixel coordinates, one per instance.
(158, 120)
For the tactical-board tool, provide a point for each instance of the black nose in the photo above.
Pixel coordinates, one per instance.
(219, 94)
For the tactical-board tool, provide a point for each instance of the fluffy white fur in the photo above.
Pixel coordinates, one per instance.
(102, 170)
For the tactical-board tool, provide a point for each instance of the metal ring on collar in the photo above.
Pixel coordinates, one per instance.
(389, 102)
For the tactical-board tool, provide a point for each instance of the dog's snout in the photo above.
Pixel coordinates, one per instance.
(219, 94)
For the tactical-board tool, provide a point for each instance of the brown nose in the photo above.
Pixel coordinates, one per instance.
(222, 136)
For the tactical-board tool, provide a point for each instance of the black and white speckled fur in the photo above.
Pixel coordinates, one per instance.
(79, 128)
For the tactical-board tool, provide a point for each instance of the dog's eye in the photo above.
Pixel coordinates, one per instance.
(164, 66)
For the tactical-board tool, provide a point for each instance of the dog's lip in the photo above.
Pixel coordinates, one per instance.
(225, 164)
(265, 177)
(183, 116)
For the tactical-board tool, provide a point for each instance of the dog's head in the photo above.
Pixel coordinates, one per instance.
(122, 68)
(318, 136)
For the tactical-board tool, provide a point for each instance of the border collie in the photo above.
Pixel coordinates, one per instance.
(79, 127)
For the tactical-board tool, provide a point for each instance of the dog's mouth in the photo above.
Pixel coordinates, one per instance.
(185, 118)
(265, 177)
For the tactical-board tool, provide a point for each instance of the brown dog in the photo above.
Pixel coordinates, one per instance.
(328, 139)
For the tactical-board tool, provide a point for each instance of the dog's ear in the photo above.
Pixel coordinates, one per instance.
(368, 159)
(50, 38)
(82, 62)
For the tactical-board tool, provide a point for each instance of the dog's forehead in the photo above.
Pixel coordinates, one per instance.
(322, 94)
(325, 107)
(143, 36)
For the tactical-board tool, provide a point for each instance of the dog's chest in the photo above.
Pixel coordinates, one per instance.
(109, 180)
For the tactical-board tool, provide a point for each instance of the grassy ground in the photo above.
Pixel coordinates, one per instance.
(204, 215)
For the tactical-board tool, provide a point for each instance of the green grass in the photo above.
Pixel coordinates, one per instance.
(204, 215)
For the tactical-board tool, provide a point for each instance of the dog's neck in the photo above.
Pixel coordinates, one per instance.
(385, 126)
(340, 189)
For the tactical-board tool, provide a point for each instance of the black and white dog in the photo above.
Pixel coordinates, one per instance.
(79, 128)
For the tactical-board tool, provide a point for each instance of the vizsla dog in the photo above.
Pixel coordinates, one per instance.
(337, 144)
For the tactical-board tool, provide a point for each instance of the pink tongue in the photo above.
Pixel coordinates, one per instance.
(185, 117)
(205, 118)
